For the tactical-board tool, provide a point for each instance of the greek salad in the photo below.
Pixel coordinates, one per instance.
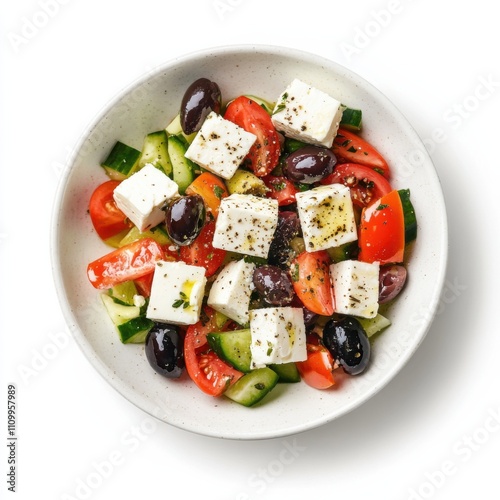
(252, 242)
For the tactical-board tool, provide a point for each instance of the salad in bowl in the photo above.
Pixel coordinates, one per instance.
(235, 243)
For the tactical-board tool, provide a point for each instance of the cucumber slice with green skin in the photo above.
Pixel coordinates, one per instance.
(124, 292)
(351, 119)
(155, 151)
(344, 252)
(121, 162)
(174, 128)
(157, 233)
(287, 372)
(371, 326)
(409, 216)
(135, 330)
(292, 145)
(253, 386)
(182, 167)
(233, 347)
(118, 312)
(268, 106)
(245, 182)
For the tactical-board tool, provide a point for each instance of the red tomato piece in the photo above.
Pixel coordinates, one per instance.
(144, 284)
(265, 152)
(126, 263)
(381, 235)
(202, 253)
(281, 189)
(211, 188)
(107, 219)
(366, 184)
(311, 281)
(350, 147)
(317, 369)
(212, 375)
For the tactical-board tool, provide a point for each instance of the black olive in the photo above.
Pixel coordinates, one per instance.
(348, 343)
(392, 279)
(164, 350)
(273, 285)
(184, 218)
(200, 98)
(309, 164)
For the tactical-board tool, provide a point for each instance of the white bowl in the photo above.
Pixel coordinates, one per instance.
(148, 105)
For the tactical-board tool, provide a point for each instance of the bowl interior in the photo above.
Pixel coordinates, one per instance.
(148, 105)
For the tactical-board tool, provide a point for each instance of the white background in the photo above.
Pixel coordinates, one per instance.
(433, 432)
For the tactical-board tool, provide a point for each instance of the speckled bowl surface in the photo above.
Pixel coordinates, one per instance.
(148, 105)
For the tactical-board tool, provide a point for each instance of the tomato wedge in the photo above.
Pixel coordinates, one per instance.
(212, 375)
(311, 281)
(108, 220)
(317, 369)
(265, 152)
(381, 235)
(211, 188)
(366, 184)
(126, 263)
(281, 189)
(350, 147)
(202, 253)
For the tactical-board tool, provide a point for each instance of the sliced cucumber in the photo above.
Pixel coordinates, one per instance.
(174, 128)
(114, 241)
(245, 182)
(351, 119)
(287, 372)
(268, 106)
(124, 292)
(118, 312)
(157, 233)
(292, 145)
(121, 162)
(253, 386)
(233, 347)
(409, 216)
(182, 167)
(135, 330)
(374, 325)
(344, 252)
(155, 151)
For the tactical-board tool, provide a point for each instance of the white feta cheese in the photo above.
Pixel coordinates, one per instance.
(220, 146)
(177, 293)
(246, 224)
(326, 216)
(308, 114)
(143, 196)
(278, 336)
(356, 287)
(230, 292)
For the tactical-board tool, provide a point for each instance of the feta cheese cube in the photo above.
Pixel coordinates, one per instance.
(326, 216)
(308, 114)
(278, 336)
(220, 146)
(356, 287)
(143, 196)
(246, 224)
(230, 292)
(177, 293)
